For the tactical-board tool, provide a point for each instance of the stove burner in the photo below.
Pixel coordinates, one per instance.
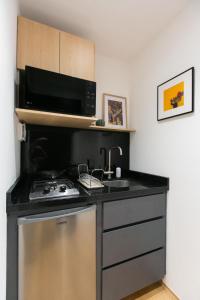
(47, 189)
(63, 188)
(52, 189)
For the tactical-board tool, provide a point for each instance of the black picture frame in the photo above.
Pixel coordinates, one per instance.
(192, 94)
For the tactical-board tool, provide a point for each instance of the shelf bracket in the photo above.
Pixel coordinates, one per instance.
(21, 132)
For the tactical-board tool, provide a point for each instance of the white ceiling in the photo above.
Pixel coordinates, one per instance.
(120, 28)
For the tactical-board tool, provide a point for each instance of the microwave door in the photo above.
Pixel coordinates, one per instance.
(49, 91)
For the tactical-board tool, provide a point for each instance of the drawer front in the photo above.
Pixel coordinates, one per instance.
(123, 212)
(126, 243)
(127, 278)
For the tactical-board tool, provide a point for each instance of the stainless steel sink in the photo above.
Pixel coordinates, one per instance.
(117, 183)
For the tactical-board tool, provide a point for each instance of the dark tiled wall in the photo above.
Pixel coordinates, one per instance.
(49, 148)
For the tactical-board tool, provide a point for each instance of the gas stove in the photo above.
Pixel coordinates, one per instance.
(57, 188)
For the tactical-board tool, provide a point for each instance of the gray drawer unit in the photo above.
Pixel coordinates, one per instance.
(123, 212)
(128, 242)
(127, 278)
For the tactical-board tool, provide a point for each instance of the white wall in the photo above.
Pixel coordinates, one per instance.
(172, 147)
(9, 147)
(112, 77)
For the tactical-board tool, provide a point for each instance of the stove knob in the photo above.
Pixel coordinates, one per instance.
(63, 188)
(47, 189)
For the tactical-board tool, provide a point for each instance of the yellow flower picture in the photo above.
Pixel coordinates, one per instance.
(174, 96)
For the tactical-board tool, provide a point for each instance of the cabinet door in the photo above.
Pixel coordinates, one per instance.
(131, 276)
(77, 56)
(38, 45)
(126, 243)
(133, 210)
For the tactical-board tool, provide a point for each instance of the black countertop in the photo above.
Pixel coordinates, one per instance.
(141, 184)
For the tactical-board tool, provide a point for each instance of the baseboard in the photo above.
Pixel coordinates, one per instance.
(169, 291)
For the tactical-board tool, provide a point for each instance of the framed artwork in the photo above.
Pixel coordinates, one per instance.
(115, 111)
(176, 96)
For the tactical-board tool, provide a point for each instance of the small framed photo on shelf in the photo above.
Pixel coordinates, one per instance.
(115, 111)
(176, 96)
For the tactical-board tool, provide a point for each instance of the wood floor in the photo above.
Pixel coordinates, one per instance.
(157, 291)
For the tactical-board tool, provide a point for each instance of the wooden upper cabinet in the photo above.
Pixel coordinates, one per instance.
(77, 56)
(44, 47)
(38, 45)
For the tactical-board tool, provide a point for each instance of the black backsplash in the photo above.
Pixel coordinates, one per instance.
(48, 148)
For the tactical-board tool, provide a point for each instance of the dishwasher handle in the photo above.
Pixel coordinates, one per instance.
(54, 215)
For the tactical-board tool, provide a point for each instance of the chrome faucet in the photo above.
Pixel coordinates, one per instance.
(110, 172)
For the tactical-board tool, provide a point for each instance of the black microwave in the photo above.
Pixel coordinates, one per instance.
(53, 92)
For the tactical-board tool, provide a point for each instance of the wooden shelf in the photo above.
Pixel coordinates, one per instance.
(36, 117)
(103, 128)
(53, 119)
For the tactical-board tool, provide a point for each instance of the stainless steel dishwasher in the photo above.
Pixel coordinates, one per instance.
(57, 255)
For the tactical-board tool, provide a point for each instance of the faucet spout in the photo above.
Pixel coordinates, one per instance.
(109, 172)
(120, 150)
